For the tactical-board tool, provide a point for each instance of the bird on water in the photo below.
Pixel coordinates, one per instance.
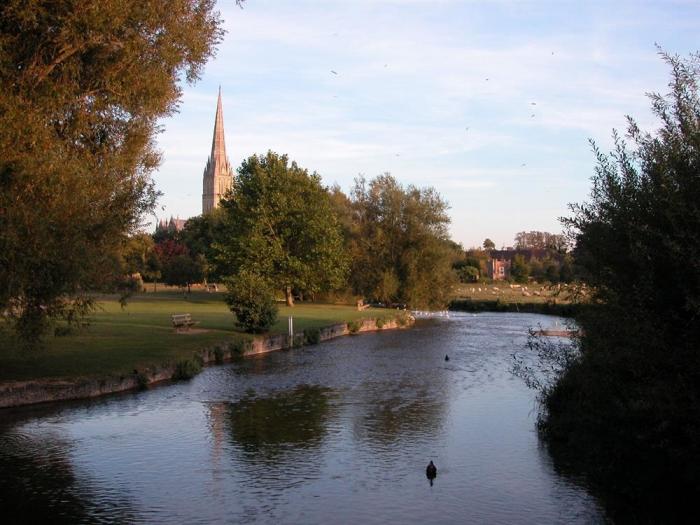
(431, 472)
(447, 358)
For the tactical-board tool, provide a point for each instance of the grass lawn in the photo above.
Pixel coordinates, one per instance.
(141, 335)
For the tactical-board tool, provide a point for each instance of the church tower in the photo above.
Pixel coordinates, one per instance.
(218, 177)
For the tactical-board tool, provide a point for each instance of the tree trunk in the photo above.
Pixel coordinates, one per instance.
(288, 295)
(155, 284)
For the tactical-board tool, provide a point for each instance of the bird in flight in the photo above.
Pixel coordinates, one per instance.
(532, 116)
(334, 72)
(533, 103)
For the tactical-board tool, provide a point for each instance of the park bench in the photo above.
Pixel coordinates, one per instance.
(182, 321)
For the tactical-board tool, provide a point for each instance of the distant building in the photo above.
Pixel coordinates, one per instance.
(500, 261)
(171, 225)
(218, 176)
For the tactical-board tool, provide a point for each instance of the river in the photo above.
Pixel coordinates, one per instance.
(340, 432)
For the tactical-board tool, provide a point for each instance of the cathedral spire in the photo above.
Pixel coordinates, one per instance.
(218, 145)
(217, 174)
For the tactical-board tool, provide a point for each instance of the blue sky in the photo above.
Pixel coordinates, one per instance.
(492, 103)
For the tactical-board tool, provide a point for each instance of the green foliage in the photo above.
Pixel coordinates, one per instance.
(182, 270)
(541, 241)
(218, 355)
(399, 244)
(279, 223)
(199, 235)
(142, 381)
(519, 269)
(379, 323)
(628, 412)
(466, 273)
(312, 336)
(251, 298)
(354, 326)
(83, 90)
(187, 369)
(489, 244)
(237, 346)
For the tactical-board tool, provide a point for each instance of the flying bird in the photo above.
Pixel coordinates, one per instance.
(533, 103)
(532, 116)
(334, 72)
(523, 165)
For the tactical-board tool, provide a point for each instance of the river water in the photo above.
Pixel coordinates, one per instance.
(340, 432)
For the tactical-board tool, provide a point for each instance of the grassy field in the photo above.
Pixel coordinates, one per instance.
(513, 293)
(141, 335)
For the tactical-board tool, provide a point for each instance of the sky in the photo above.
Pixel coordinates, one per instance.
(491, 103)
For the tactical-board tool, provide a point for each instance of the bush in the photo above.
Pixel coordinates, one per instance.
(251, 298)
(354, 326)
(237, 346)
(142, 381)
(187, 369)
(312, 336)
(380, 323)
(218, 355)
(627, 414)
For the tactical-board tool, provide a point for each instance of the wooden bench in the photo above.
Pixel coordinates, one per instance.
(182, 321)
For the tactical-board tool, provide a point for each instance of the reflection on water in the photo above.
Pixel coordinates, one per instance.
(341, 432)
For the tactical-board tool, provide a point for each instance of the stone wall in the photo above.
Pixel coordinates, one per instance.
(17, 393)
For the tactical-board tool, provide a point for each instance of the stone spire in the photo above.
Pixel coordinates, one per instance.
(218, 177)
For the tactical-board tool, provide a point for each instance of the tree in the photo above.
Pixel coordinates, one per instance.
(251, 298)
(399, 244)
(489, 244)
(519, 269)
(199, 235)
(182, 270)
(541, 241)
(279, 223)
(83, 86)
(627, 412)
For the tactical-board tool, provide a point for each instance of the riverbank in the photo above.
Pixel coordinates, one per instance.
(130, 348)
(501, 305)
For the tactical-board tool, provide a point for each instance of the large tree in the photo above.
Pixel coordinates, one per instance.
(628, 411)
(400, 246)
(278, 223)
(83, 85)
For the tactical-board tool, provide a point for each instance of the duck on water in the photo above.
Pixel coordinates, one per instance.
(431, 472)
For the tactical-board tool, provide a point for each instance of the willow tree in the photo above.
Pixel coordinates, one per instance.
(83, 85)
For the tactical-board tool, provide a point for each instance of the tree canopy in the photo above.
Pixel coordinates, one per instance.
(399, 244)
(628, 409)
(278, 223)
(82, 87)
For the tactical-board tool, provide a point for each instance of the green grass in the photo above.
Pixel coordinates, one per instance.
(141, 335)
(504, 292)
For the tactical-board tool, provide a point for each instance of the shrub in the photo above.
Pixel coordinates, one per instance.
(218, 355)
(251, 298)
(312, 336)
(237, 346)
(187, 369)
(354, 326)
(142, 381)
(380, 323)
